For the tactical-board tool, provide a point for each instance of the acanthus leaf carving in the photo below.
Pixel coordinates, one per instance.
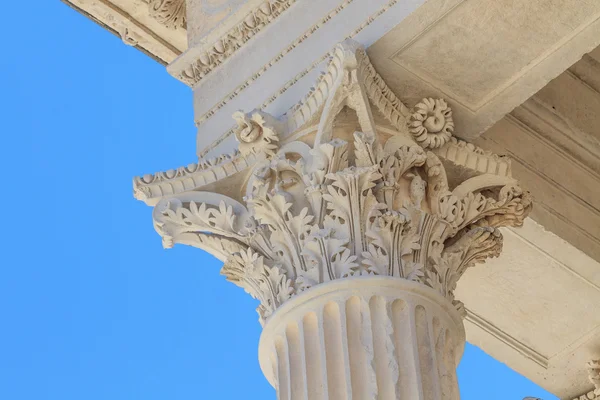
(268, 284)
(173, 217)
(392, 238)
(473, 246)
(170, 13)
(350, 201)
(219, 246)
(328, 257)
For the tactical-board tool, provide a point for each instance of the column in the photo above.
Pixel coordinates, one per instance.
(351, 218)
(364, 338)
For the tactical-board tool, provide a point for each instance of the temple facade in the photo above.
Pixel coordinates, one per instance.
(390, 178)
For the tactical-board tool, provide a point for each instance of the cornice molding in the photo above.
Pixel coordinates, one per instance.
(213, 55)
(150, 188)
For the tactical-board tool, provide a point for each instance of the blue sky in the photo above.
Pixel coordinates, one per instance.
(92, 307)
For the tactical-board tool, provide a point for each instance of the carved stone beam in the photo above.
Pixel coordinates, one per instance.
(352, 232)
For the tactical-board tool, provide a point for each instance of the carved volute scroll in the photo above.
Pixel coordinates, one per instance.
(321, 207)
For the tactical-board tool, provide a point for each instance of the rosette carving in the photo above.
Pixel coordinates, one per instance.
(431, 123)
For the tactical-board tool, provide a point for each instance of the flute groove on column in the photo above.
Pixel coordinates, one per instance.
(383, 358)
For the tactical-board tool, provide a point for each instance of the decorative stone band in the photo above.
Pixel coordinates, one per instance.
(364, 338)
(170, 13)
(150, 188)
(468, 155)
(192, 71)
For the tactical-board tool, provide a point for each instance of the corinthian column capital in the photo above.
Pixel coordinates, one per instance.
(350, 184)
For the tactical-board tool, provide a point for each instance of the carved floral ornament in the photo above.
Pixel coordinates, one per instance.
(170, 13)
(338, 209)
(431, 123)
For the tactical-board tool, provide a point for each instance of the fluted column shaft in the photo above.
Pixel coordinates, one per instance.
(364, 338)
